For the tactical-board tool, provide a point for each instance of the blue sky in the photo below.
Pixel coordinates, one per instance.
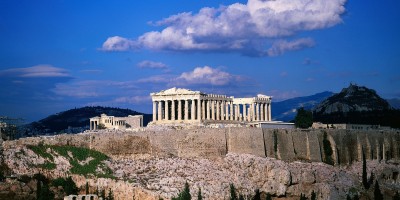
(61, 54)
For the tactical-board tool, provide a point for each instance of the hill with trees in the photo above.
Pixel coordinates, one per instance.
(357, 105)
(77, 120)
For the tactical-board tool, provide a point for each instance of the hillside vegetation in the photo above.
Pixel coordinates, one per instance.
(78, 117)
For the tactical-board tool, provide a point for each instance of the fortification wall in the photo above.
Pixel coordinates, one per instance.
(338, 146)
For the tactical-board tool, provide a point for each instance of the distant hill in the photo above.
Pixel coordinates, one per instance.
(395, 103)
(286, 110)
(78, 118)
(358, 105)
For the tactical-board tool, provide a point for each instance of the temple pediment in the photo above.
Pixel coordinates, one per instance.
(175, 91)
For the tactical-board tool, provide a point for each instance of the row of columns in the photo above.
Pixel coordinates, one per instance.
(210, 109)
(93, 125)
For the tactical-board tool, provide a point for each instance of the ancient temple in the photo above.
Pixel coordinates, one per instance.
(178, 105)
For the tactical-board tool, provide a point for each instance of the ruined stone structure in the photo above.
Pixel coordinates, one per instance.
(122, 123)
(83, 197)
(178, 105)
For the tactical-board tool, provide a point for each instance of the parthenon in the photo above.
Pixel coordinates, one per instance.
(177, 105)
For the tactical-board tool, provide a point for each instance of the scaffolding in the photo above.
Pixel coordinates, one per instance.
(10, 127)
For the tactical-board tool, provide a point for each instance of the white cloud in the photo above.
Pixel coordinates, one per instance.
(281, 46)
(206, 75)
(199, 76)
(152, 64)
(118, 43)
(38, 71)
(246, 28)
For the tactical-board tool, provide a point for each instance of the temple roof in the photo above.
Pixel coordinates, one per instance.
(174, 91)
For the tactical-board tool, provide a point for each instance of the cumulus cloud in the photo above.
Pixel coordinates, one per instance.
(206, 75)
(152, 64)
(281, 46)
(198, 76)
(246, 28)
(118, 43)
(38, 71)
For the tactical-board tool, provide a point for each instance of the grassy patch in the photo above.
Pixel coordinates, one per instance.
(41, 151)
(75, 155)
(47, 165)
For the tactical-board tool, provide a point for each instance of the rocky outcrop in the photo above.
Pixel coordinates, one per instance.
(164, 177)
(353, 99)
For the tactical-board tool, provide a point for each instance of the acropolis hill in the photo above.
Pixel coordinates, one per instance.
(160, 162)
(155, 162)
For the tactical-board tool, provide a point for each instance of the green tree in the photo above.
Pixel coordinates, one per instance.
(185, 194)
(45, 193)
(110, 195)
(303, 197)
(313, 195)
(70, 187)
(348, 197)
(257, 196)
(87, 187)
(377, 192)
(40, 180)
(364, 171)
(356, 197)
(268, 196)
(101, 126)
(303, 118)
(199, 196)
(396, 196)
(327, 150)
(233, 192)
(103, 194)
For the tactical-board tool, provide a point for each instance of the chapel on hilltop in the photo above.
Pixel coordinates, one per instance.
(177, 105)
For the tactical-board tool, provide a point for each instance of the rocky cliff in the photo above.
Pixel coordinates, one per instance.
(284, 163)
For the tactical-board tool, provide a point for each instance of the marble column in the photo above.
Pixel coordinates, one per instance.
(213, 110)
(208, 110)
(231, 110)
(192, 111)
(249, 113)
(266, 111)
(203, 109)
(159, 110)
(198, 109)
(186, 110)
(269, 112)
(173, 110)
(226, 110)
(237, 112)
(258, 111)
(167, 110)
(218, 110)
(179, 110)
(154, 111)
(252, 115)
(262, 106)
(244, 112)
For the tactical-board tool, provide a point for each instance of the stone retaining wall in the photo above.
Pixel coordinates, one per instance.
(288, 145)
